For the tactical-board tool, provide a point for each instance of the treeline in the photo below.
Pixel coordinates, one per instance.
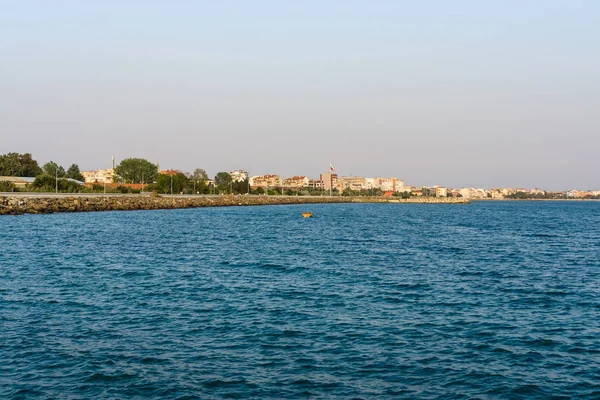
(52, 177)
(49, 176)
(545, 196)
(537, 196)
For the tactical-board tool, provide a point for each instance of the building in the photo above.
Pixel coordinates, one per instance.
(399, 186)
(329, 180)
(576, 193)
(385, 184)
(238, 175)
(296, 182)
(536, 191)
(479, 194)
(418, 192)
(265, 181)
(454, 192)
(316, 184)
(465, 192)
(99, 176)
(497, 194)
(18, 181)
(351, 182)
(441, 192)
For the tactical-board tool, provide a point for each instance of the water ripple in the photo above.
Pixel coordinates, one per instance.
(495, 300)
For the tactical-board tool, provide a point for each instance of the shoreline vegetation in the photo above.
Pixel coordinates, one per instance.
(53, 203)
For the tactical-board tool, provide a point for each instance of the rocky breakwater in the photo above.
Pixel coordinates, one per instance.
(40, 204)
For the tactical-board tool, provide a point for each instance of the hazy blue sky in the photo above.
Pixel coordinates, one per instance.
(457, 93)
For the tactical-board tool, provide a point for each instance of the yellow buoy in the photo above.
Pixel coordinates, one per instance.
(307, 214)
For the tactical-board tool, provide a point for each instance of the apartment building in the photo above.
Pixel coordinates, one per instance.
(441, 192)
(329, 180)
(265, 181)
(99, 176)
(316, 184)
(296, 182)
(351, 182)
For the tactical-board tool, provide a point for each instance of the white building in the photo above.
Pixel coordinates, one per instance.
(238, 175)
(100, 176)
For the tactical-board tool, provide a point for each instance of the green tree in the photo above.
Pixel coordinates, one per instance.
(10, 166)
(67, 186)
(178, 181)
(47, 183)
(348, 192)
(53, 169)
(223, 182)
(199, 173)
(74, 173)
(135, 170)
(15, 164)
(241, 186)
(6, 186)
(199, 180)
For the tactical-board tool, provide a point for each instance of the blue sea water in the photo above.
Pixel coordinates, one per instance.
(491, 300)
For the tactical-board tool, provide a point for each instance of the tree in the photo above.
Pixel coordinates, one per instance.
(74, 173)
(47, 183)
(135, 170)
(6, 186)
(44, 181)
(15, 164)
(199, 173)
(199, 178)
(178, 180)
(241, 186)
(53, 169)
(348, 192)
(223, 182)
(10, 166)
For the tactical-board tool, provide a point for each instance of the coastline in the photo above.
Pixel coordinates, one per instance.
(573, 199)
(39, 203)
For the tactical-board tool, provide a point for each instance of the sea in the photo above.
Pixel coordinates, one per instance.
(491, 300)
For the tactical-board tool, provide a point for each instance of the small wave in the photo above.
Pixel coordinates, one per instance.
(102, 377)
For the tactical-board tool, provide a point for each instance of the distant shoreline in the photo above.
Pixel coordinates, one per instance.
(534, 200)
(39, 203)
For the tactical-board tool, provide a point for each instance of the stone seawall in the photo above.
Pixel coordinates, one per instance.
(46, 204)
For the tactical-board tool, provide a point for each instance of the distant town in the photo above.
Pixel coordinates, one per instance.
(20, 172)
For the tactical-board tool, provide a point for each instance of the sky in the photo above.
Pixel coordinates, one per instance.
(453, 93)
